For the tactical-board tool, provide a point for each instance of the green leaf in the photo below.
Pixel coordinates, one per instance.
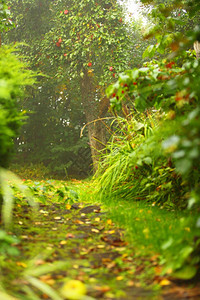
(138, 126)
(149, 52)
(167, 244)
(186, 272)
(123, 77)
(44, 288)
(110, 90)
(191, 202)
(147, 160)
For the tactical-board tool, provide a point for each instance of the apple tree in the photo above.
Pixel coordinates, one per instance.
(51, 135)
(88, 46)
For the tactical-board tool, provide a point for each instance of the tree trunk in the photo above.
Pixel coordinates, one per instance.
(197, 49)
(96, 130)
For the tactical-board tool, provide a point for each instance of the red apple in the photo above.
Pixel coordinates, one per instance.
(89, 64)
(66, 12)
(60, 41)
(65, 54)
(111, 69)
(113, 75)
(58, 44)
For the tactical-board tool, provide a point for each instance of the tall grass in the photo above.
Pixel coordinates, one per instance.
(140, 185)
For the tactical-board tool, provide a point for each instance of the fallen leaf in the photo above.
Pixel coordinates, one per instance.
(70, 235)
(165, 282)
(100, 246)
(57, 218)
(39, 262)
(102, 289)
(95, 230)
(130, 283)
(47, 279)
(111, 265)
(119, 278)
(63, 242)
(21, 264)
(109, 222)
(68, 206)
(78, 221)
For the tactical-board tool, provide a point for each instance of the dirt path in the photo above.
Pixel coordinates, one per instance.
(95, 252)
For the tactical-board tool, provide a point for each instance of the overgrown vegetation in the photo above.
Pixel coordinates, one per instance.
(153, 155)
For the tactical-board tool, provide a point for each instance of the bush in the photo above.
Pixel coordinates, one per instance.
(13, 76)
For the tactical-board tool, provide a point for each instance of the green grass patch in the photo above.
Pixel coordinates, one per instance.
(152, 229)
(148, 225)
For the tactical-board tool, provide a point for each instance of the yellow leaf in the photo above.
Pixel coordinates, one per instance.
(21, 264)
(119, 278)
(97, 219)
(187, 229)
(63, 242)
(95, 230)
(68, 206)
(100, 246)
(109, 222)
(165, 282)
(76, 266)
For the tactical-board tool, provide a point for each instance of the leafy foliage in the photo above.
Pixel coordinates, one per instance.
(12, 75)
(162, 167)
(5, 20)
(83, 45)
(7, 244)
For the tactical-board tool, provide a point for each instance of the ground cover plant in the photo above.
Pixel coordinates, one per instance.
(133, 231)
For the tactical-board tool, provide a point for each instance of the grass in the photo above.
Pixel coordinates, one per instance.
(148, 225)
(150, 228)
